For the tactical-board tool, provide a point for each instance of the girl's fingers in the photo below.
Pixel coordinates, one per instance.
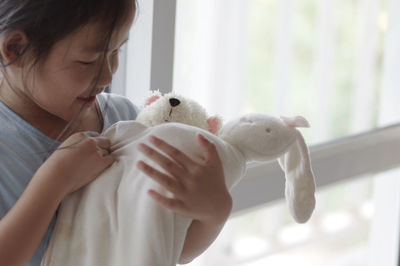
(108, 160)
(103, 142)
(210, 151)
(173, 152)
(175, 205)
(91, 134)
(164, 180)
(102, 152)
(168, 165)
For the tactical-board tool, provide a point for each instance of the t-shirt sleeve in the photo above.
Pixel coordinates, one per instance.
(116, 108)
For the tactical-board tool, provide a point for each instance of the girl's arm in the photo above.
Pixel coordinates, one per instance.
(23, 227)
(199, 237)
(199, 191)
(79, 162)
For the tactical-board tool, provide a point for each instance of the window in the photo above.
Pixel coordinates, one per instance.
(334, 62)
(321, 59)
(337, 234)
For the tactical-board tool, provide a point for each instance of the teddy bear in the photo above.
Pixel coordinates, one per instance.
(172, 107)
(113, 221)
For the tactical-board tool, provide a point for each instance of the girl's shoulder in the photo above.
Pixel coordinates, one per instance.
(116, 108)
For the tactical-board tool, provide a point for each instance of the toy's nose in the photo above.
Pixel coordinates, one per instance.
(174, 102)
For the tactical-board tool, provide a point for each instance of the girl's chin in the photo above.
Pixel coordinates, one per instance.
(87, 102)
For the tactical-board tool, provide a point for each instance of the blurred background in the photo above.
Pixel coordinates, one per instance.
(321, 59)
(335, 62)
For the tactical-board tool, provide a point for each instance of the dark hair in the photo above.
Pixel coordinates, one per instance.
(45, 22)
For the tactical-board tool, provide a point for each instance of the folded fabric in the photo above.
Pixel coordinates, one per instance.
(113, 220)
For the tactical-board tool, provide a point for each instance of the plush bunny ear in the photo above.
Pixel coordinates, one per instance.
(151, 100)
(214, 124)
(152, 97)
(297, 121)
(300, 184)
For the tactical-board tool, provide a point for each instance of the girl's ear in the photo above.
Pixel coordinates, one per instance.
(12, 46)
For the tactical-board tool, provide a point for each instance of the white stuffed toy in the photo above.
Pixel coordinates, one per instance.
(258, 137)
(113, 221)
(171, 107)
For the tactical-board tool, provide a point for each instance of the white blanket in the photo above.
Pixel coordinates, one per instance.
(113, 221)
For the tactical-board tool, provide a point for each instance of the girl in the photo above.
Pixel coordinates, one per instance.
(57, 58)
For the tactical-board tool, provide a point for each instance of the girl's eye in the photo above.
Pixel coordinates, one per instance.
(117, 51)
(88, 63)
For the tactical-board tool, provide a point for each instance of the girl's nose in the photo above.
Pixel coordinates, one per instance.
(109, 68)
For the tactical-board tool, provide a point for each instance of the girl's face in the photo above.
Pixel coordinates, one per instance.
(64, 82)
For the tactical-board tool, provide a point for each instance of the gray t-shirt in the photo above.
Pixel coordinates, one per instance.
(23, 149)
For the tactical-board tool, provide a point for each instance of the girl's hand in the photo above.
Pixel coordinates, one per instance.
(198, 189)
(79, 160)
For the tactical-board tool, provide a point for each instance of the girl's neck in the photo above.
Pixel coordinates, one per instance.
(50, 125)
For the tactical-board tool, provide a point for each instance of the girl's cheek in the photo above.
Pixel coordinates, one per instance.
(84, 75)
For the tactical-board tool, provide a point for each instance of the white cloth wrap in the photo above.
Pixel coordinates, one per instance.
(113, 221)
